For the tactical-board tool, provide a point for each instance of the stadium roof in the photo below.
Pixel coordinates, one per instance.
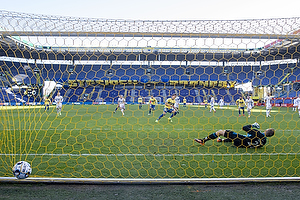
(44, 24)
(257, 37)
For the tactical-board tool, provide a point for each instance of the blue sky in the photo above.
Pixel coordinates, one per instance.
(158, 9)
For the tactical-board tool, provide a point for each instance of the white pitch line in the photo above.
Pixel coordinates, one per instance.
(116, 129)
(155, 155)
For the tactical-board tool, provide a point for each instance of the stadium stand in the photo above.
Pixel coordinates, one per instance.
(161, 74)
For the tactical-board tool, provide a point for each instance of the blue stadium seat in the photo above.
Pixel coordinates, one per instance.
(160, 71)
(140, 72)
(184, 92)
(91, 75)
(100, 74)
(180, 71)
(144, 93)
(204, 77)
(130, 72)
(170, 71)
(165, 78)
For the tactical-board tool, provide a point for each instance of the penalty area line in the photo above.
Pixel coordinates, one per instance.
(155, 155)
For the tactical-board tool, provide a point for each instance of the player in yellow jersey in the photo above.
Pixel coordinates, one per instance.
(47, 103)
(152, 103)
(184, 102)
(169, 107)
(241, 104)
(205, 103)
(140, 102)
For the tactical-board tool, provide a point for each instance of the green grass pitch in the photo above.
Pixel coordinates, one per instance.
(90, 141)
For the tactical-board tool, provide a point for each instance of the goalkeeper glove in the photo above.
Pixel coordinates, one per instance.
(256, 125)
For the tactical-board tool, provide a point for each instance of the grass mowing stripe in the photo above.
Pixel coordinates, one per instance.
(158, 155)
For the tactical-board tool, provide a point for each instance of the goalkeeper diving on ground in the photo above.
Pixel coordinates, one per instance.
(253, 139)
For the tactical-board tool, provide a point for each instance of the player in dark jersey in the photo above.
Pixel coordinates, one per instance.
(253, 139)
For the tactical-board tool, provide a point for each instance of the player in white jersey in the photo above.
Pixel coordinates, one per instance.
(298, 104)
(221, 103)
(212, 104)
(177, 101)
(121, 103)
(176, 105)
(268, 105)
(250, 105)
(295, 104)
(58, 101)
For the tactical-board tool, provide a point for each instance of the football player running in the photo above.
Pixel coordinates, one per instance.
(169, 108)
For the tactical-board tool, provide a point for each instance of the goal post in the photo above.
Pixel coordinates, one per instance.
(93, 64)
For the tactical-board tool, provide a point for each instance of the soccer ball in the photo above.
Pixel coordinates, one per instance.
(22, 170)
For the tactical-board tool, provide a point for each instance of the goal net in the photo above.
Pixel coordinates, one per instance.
(97, 65)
